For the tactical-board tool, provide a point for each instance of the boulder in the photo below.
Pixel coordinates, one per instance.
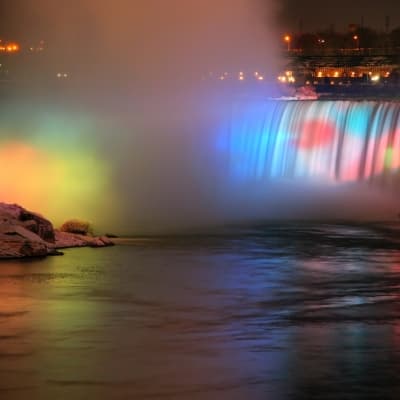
(27, 234)
(67, 239)
(32, 221)
(39, 225)
(18, 241)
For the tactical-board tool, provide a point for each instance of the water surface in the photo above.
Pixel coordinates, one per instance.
(289, 311)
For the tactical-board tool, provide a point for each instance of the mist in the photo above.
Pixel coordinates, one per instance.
(136, 72)
(145, 43)
(138, 77)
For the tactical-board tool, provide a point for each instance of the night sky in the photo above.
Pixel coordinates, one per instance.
(21, 18)
(318, 14)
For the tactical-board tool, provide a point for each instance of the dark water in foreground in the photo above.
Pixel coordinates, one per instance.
(292, 312)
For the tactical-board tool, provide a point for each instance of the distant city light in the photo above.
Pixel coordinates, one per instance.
(287, 40)
(10, 48)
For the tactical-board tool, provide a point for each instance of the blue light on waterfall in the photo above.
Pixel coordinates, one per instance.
(337, 141)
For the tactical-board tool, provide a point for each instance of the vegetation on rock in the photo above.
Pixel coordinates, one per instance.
(77, 226)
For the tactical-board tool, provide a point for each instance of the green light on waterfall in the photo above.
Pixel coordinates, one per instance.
(388, 160)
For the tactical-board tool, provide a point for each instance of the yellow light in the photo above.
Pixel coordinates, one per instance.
(319, 74)
(287, 38)
(336, 74)
(11, 47)
(375, 78)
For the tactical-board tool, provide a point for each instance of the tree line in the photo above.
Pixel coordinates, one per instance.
(356, 38)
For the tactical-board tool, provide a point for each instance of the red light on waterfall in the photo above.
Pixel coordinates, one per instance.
(315, 133)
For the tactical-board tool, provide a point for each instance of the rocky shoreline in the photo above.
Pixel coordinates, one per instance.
(25, 233)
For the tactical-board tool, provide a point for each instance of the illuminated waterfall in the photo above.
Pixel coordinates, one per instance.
(333, 141)
(253, 159)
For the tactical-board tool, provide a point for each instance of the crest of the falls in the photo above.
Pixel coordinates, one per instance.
(332, 141)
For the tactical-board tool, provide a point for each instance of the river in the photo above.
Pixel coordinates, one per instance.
(280, 311)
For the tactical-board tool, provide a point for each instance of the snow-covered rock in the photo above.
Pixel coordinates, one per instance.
(27, 234)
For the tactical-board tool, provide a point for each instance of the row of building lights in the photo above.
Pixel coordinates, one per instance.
(9, 47)
(337, 74)
(287, 77)
(241, 76)
(14, 47)
(288, 40)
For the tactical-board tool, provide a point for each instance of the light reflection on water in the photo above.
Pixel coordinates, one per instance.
(291, 311)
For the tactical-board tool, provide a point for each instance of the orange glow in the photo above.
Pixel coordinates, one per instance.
(10, 47)
(287, 38)
(30, 175)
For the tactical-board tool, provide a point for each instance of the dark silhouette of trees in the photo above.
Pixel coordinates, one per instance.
(357, 38)
(395, 37)
(368, 38)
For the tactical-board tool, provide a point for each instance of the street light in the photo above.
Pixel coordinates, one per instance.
(357, 40)
(287, 40)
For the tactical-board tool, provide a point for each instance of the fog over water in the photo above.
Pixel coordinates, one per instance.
(136, 77)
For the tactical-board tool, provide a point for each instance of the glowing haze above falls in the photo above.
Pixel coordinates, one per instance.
(51, 165)
(127, 175)
(134, 140)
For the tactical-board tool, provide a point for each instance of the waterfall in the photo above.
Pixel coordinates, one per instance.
(331, 141)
